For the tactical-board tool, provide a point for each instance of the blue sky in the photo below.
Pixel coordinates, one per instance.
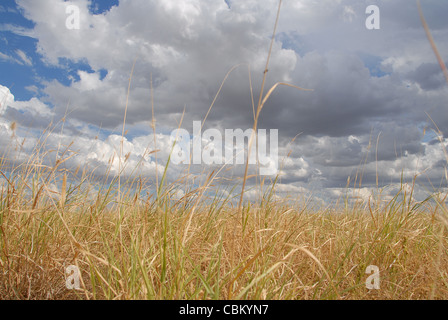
(369, 85)
(21, 75)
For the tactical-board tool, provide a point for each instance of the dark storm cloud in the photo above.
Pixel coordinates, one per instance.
(429, 76)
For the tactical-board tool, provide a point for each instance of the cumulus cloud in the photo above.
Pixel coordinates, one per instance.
(374, 90)
(31, 113)
(6, 98)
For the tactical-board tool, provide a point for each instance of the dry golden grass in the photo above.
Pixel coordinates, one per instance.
(153, 250)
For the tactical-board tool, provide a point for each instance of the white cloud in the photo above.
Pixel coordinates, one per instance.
(349, 13)
(6, 99)
(34, 106)
(25, 59)
(5, 57)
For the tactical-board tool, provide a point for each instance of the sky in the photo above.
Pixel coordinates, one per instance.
(378, 108)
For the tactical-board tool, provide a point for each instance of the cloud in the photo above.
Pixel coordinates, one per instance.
(24, 58)
(428, 76)
(367, 83)
(6, 98)
(31, 113)
(188, 49)
(6, 58)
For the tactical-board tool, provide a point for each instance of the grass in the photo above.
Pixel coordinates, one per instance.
(137, 250)
(129, 244)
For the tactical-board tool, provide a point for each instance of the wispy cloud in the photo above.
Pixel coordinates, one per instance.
(25, 59)
(5, 57)
(19, 30)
